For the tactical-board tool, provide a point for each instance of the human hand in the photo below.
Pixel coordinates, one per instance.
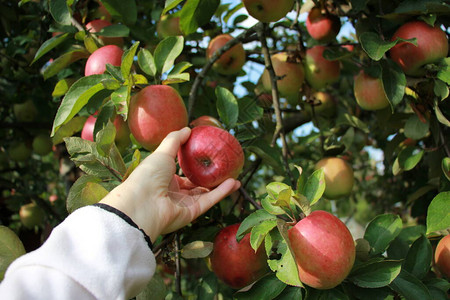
(159, 201)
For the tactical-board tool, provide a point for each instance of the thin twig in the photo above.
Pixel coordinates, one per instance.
(177, 265)
(198, 80)
(276, 100)
(249, 199)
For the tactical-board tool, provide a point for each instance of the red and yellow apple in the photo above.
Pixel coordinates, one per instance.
(232, 60)
(442, 256)
(369, 92)
(324, 105)
(322, 27)
(292, 73)
(323, 248)
(237, 264)
(154, 112)
(210, 156)
(268, 10)
(320, 72)
(168, 25)
(432, 45)
(205, 120)
(339, 177)
(96, 25)
(96, 63)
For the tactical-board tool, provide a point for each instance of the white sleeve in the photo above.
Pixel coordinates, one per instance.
(93, 254)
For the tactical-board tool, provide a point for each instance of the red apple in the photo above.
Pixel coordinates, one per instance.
(237, 264)
(369, 92)
(322, 27)
(323, 248)
(432, 45)
(339, 177)
(96, 63)
(292, 72)
(168, 25)
(97, 25)
(154, 112)
(231, 61)
(268, 10)
(210, 156)
(206, 120)
(442, 256)
(320, 72)
(122, 139)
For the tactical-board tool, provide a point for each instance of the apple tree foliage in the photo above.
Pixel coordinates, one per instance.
(400, 202)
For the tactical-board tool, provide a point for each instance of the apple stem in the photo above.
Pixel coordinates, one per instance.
(275, 96)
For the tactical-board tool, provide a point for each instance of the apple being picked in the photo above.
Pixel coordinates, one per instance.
(237, 264)
(339, 177)
(268, 10)
(232, 60)
(322, 27)
(293, 76)
(95, 26)
(210, 156)
(96, 63)
(154, 112)
(442, 256)
(432, 45)
(369, 92)
(319, 71)
(323, 248)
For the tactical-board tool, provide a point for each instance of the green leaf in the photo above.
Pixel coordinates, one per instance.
(410, 287)
(60, 11)
(167, 51)
(170, 4)
(270, 155)
(135, 160)
(399, 248)
(446, 167)
(77, 97)
(208, 287)
(418, 260)
(252, 220)
(196, 13)
(85, 155)
(438, 215)
(409, 157)
(125, 10)
(197, 249)
(115, 72)
(260, 231)
(116, 30)
(441, 89)
(156, 289)
(268, 203)
(415, 128)
(177, 78)
(63, 61)
(375, 275)
(331, 294)
(394, 82)
(444, 74)
(62, 87)
(105, 138)
(227, 106)
(275, 188)
(381, 231)
(376, 47)
(440, 116)
(249, 111)
(85, 191)
(120, 98)
(49, 45)
(289, 293)
(70, 128)
(179, 68)
(147, 62)
(315, 186)
(267, 287)
(127, 60)
(346, 119)
(283, 262)
(11, 248)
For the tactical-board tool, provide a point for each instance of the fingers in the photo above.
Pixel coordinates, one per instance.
(207, 200)
(173, 141)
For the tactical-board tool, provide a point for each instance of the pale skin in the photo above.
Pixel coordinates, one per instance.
(159, 201)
